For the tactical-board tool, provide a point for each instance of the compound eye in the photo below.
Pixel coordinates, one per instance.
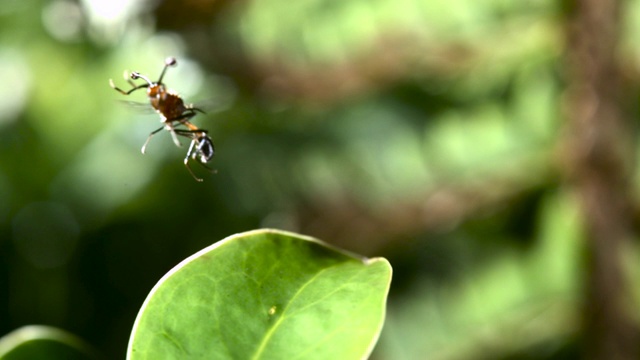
(170, 61)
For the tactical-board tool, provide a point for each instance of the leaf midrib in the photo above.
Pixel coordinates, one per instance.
(276, 324)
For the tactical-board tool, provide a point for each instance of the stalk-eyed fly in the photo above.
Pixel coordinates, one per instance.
(173, 113)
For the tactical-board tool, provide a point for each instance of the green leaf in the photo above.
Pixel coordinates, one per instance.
(37, 342)
(264, 294)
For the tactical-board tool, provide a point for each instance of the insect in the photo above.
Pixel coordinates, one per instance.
(173, 113)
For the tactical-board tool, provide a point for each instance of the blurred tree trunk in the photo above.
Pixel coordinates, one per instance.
(601, 154)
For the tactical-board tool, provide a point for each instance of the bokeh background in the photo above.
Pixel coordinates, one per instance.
(430, 132)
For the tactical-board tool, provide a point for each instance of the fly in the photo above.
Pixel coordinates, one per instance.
(173, 113)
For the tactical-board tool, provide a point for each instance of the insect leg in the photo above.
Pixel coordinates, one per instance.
(149, 138)
(174, 137)
(184, 119)
(133, 85)
(186, 160)
(113, 85)
(168, 124)
(191, 107)
(190, 132)
(211, 170)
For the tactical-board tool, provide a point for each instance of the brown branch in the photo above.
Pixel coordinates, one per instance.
(366, 230)
(599, 166)
(388, 59)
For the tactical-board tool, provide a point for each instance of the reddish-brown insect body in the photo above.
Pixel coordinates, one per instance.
(168, 104)
(173, 112)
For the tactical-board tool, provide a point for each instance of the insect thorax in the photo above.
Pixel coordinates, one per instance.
(168, 104)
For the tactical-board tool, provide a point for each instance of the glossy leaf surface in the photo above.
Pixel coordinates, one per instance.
(265, 294)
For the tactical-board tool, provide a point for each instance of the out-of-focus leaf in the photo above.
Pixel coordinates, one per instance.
(43, 343)
(530, 297)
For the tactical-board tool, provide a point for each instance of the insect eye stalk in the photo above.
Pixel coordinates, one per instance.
(170, 61)
(136, 75)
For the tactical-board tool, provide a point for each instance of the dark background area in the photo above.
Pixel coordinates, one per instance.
(486, 148)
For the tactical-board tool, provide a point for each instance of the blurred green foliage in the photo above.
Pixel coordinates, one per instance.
(44, 342)
(423, 131)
